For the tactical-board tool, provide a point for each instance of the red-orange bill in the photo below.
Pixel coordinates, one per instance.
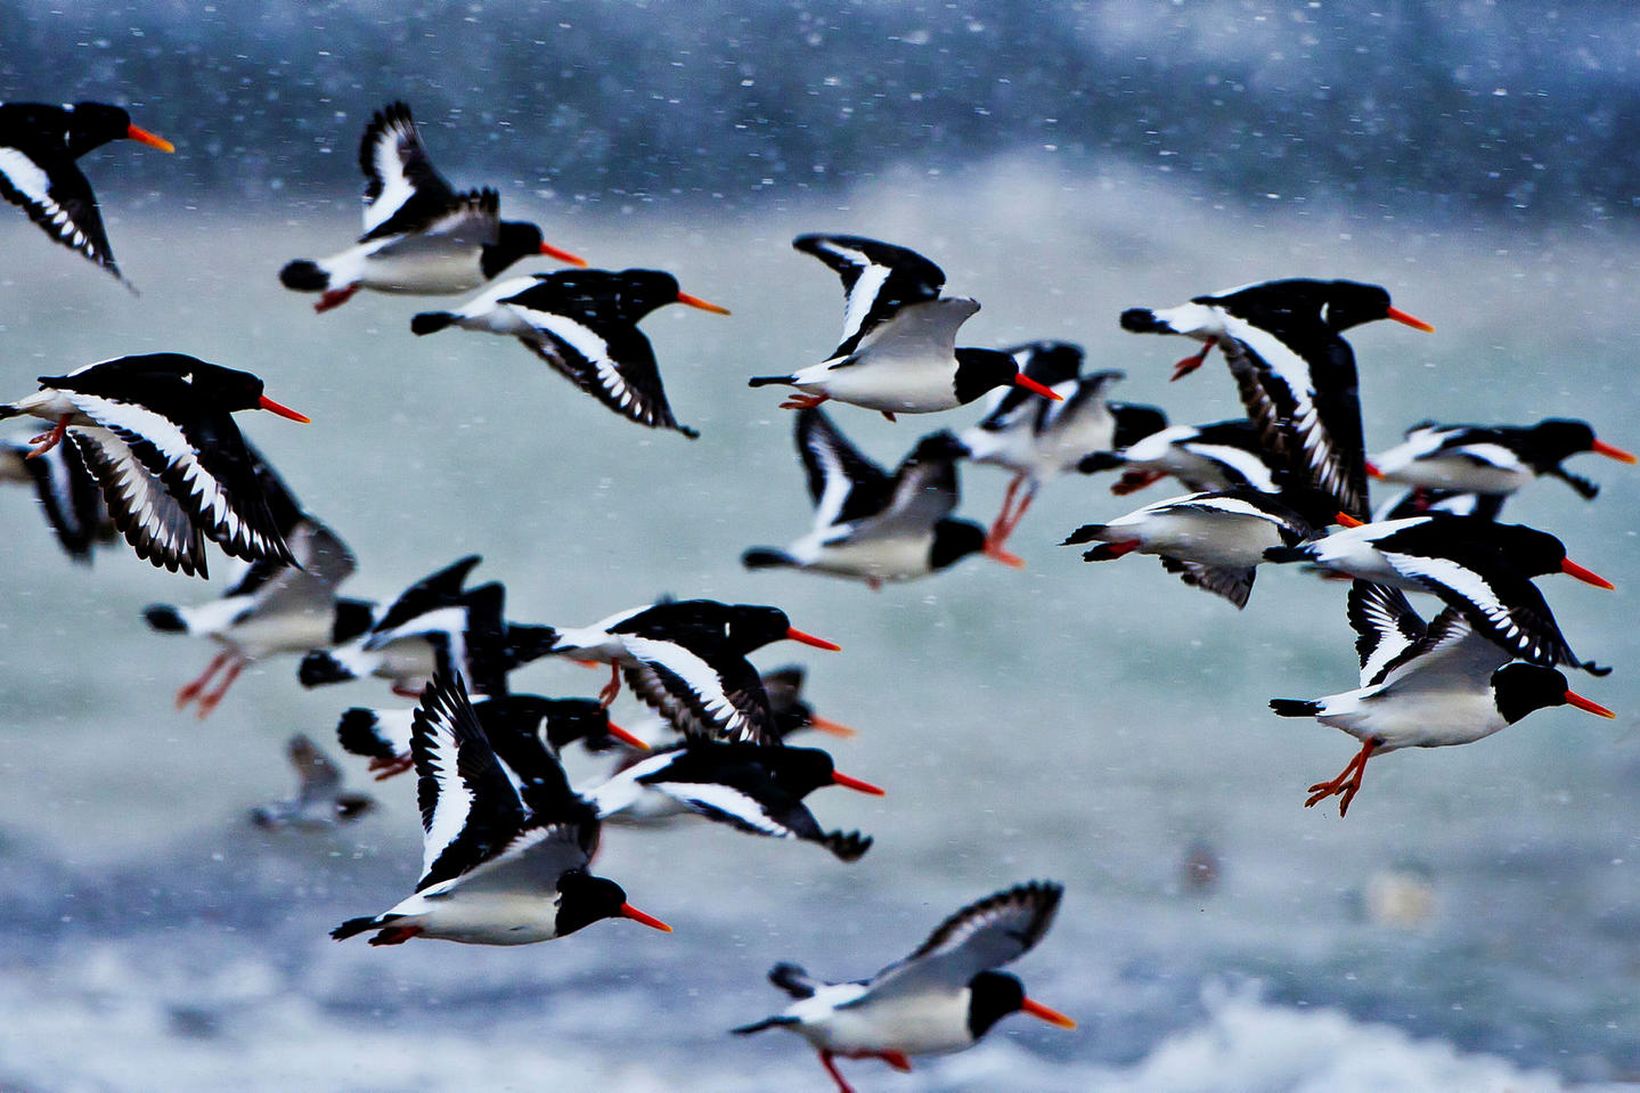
(704, 305)
(1410, 320)
(153, 140)
(626, 738)
(563, 255)
(830, 727)
(1373, 471)
(856, 784)
(1575, 699)
(631, 912)
(1587, 576)
(1346, 520)
(1043, 1013)
(1612, 451)
(794, 634)
(1022, 380)
(273, 407)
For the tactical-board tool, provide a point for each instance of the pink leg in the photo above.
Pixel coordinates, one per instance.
(1348, 782)
(190, 692)
(208, 702)
(335, 297)
(829, 1061)
(613, 687)
(999, 525)
(389, 768)
(1190, 364)
(1010, 521)
(803, 402)
(899, 1060)
(50, 438)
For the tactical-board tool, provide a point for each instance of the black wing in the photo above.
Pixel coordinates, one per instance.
(878, 279)
(402, 192)
(58, 198)
(440, 589)
(844, 485)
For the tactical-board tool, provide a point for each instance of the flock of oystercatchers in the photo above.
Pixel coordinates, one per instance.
(146, 447)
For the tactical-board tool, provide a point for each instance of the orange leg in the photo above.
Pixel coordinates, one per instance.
(50, 438)
(190, 692)
(335, 297)
(999, 526)
(803, 402)
(388, 768)
(395, 935)
(896, 1059)
(1007, 522)
(208, 702)
(406, 692)
(829, 1061)
(1134, 481)
(1190, 364)
(1348, 782)
(612, 688)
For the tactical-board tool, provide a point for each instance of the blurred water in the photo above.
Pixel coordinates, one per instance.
(1084, 723)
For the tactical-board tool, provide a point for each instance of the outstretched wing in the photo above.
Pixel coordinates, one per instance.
(156, 526)
(402, 192)
(844, 485)
(316, 775)
(1385, 626)
(702, 688)
(878, 279)
(61, 202)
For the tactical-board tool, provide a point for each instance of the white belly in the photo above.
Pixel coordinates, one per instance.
(898, 384)
(921, 1024)
(481, 918)
(1452, 473)
(1422, 719)
(890, 558)
(425, 266)
(1237, 542)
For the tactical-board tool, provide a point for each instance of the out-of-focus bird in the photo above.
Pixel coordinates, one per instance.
(69, 497)
(1495, 460)
(320, 800)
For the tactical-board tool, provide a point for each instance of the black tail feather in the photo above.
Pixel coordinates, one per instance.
(767, 1022)
(792, 979)
(766, 558)
(304, 276)
(1087, 533)
(1295, 707)
(431, 322)
(765, 381)
(164, 618)
(846, 845)
(1287, 554)
(356, 733)
(354, 926)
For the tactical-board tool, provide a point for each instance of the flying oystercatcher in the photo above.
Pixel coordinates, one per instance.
(69, 497)
(1492, 459)
(1222, 455)
(320, 800)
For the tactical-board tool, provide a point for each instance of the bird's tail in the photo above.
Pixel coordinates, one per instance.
(765, 381)
(358, 734)
(1142, 320)
(320, 667)
(1295, 707)
(165, 618)
(431, 322)
(846, 845)
(767, 558)
(1287, 554)
(8, 410)
(767, 1022)
(793, 980)
(1087, 533)
(355, 926)
(304, 276)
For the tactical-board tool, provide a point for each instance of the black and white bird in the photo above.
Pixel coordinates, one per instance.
(67, 494)
(942, 998)
(872, 526)
(320, 800)
(1424, 687)
(437, 625)
(1495, 460)
(669, 647)
(756, 788)
(584, 323)
(273, 608)
(1481, 568)
(1038, 440)
(1213, 541)
(790, 714)
(156, 431)
(1222, 455)
(39, 144)
(1295, 373)
(420, 237)
(1419, 501)
(899, 350)
(383, 736)
(501, 865)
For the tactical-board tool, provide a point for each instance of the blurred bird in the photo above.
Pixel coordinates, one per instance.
(39, 144)
(942, 998)
(69, 497)
(1495, 460)
(898, 353)
(320, 801)
(1223, 455)
(420, 236)
(584, 323)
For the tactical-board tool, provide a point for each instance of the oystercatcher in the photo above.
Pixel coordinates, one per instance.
(1038, 440)
(788, 711)
(383, 736)
(1419, 501)
(737, 628)
(756, 788)
(584, 323)
(499, 867)
(899, 351)
(156, 431)
(320, 800)
(874, 527)
(1296, 375)
(942, 998)
(38, 146)
(1424, 687)
(68, 495)
(1492, 459)
(1223, 455)
(1213, 541)
(1479, 567)
(420, 236)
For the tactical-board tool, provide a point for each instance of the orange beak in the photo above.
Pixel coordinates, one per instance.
(1043, 1013)
(266, 403)
(1373, 471)
(1587, 576)
(143, 136)
(1346, 520)
(631, 912)
(794, 634)
(1575, 699)
(1022, 380)
(1611, 451)
(563, 255)
(841, 779)
(833, 728)
(704, 305)
(625, 737)
(1410, 320)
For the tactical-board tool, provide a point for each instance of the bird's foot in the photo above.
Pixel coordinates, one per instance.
(212, 699)
(395, 935)
(606, 696)
(803, 402)
(1189, 364)
(391, 768)
(829, 1061)
(1134, 481)
(1346, 785)
(889, 414)
(896, 1059)
(334, 298)
(48, 439)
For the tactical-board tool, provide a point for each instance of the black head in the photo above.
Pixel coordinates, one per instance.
(527, 643)
(572, 719)
(1134, 422)
(750, 626)
(227, 388)
(585, 899)
(602, 295)
(954, 540)
(982, 370)
(353, 617)
(94, 124)
(1048, 362)
(940, 447)
(1519, 689)
(1556, 438)
(1530, 552)
(991, 997)
(800, 771)
(350, 806)
(517, 239)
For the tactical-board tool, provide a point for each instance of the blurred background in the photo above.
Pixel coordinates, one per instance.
(1473, 924)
